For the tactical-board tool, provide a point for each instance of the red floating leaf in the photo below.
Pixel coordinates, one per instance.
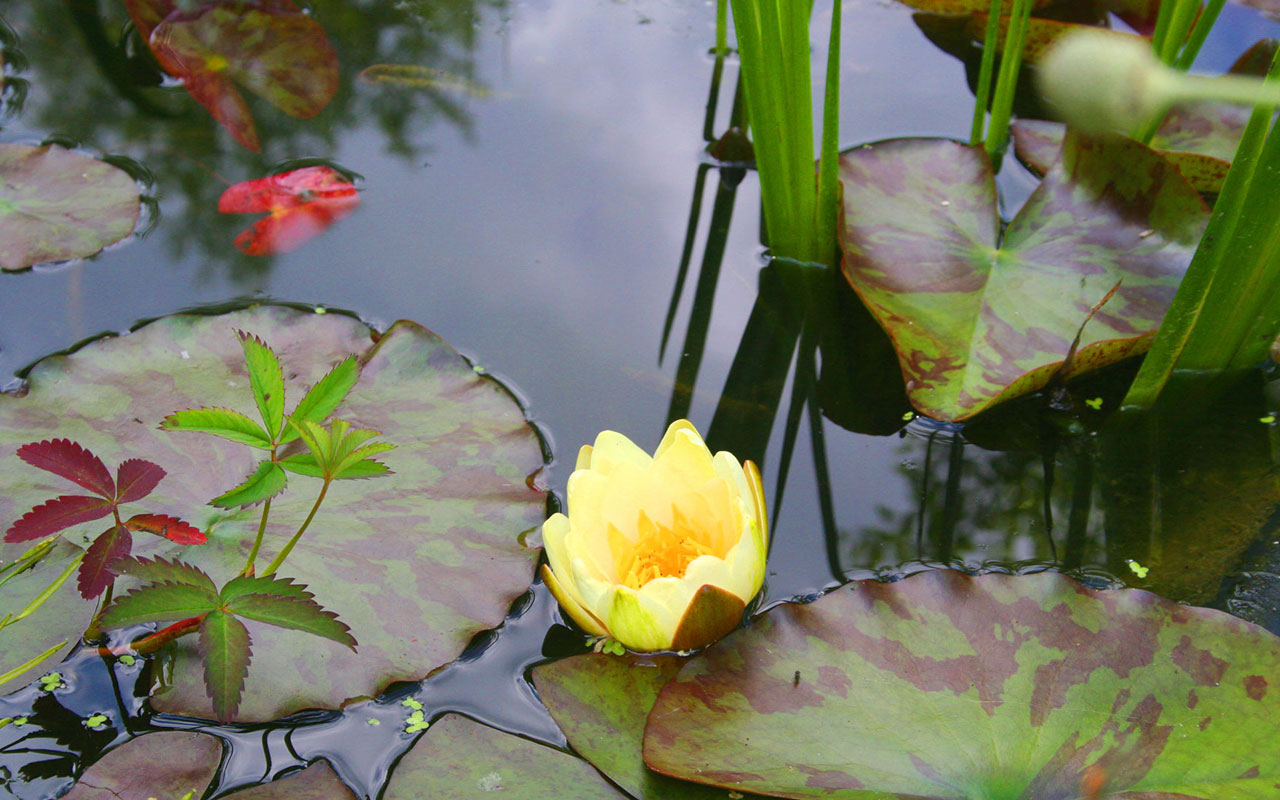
(136, 478)
(171, 528)
(69, 460)
(302, 203)
(270, 47)
(95, 570)
(59, 513)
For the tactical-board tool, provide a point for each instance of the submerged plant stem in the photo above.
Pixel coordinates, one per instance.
(152, 643)
(257, 541)
(288, 548)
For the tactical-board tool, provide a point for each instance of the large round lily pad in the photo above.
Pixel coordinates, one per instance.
(56, 204)
(416, 563)
(997, 687)
(460, 758)
(168, 764)
(601, 703)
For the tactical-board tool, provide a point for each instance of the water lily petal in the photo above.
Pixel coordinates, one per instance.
(712, 614)
(612, 449)
(638, 622)
(746, 563)
(629, 490)
(586, 495)
(673, 594)
(727, 467)
(593, 593)
(724, 514)
(709, 570)
(554, 534)
(672, 431)
(583, 618)
(685, 459)
(584, 457)
(757, 495)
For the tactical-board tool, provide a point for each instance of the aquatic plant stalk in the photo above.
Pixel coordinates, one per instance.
(982, 97)
(1226, 306)
(1010, 65)
(288, 548)
(29, 663)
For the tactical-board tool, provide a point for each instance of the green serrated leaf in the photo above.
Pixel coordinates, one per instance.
(364, 468)
(224, 647)
(315, 437)
(267, 480)
(220, 422)
(303, 464)
(294, 612)
(246, 584)
(267, 380)
(160, 570)
(327, 394)
(157, 602)
(360, 456)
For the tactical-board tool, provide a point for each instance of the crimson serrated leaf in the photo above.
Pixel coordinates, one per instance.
(136, 478)
(158, 602)
(266, 481)
(328, 393)
(296, 613)
(303, 203)
(219, 422)
(69, 460)
(225, 650)
(171, 528)
(160, 570)
(55, 515)
(96, 572)
(267, 381)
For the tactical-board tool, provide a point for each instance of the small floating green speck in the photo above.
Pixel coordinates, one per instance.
(95, 720)
(52, 681)
(1138, 569)
(1095, 403)
(409, 702)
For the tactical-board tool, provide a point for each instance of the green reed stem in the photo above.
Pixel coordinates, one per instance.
(990, 44)
(1007, 82)
(257, 540)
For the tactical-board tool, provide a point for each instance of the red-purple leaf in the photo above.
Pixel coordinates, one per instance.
(69, 460)
(136, 478)
(95, 570)
(171, 528)
(55, 515)
(302, 203)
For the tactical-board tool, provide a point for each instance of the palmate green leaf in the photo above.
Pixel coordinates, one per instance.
(249, 584)
(160, 602)
(267, 480)
(302, 464)
(290, 611)
(325, 396)
(266, 378)
(225, 651)
(945, 685)
(358, 464)
(337, 452)
(162, 569)
(977, 316)
(220, 422)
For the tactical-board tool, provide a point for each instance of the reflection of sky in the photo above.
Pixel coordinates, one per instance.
(546, 246)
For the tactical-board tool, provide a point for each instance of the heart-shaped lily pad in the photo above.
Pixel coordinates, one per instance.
(978, 315)
(601, 703)
(998, 687)
(1199, 139)
(460, 758)
(270, 47)
(416, 562)
(56, 204)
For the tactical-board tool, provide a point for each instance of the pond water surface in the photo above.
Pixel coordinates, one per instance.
(537, 226)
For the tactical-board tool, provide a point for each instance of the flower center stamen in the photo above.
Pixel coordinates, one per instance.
(660, 551)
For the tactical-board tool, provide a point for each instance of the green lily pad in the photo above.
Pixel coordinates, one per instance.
(165, 765)
(601, 703)
(1199, 139)
(978, 316)
(997, 687)
(316, 782)
(56, 204)
(460, 758)
(416, 563)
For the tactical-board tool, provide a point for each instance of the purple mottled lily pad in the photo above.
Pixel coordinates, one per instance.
(1199, 139)
(168, 764)
(460, 758)
(946, 685)
(56, 204)
(601, 703)
(978, 314)
(416, 563)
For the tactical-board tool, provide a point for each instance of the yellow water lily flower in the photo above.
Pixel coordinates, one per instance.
(659, 552)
